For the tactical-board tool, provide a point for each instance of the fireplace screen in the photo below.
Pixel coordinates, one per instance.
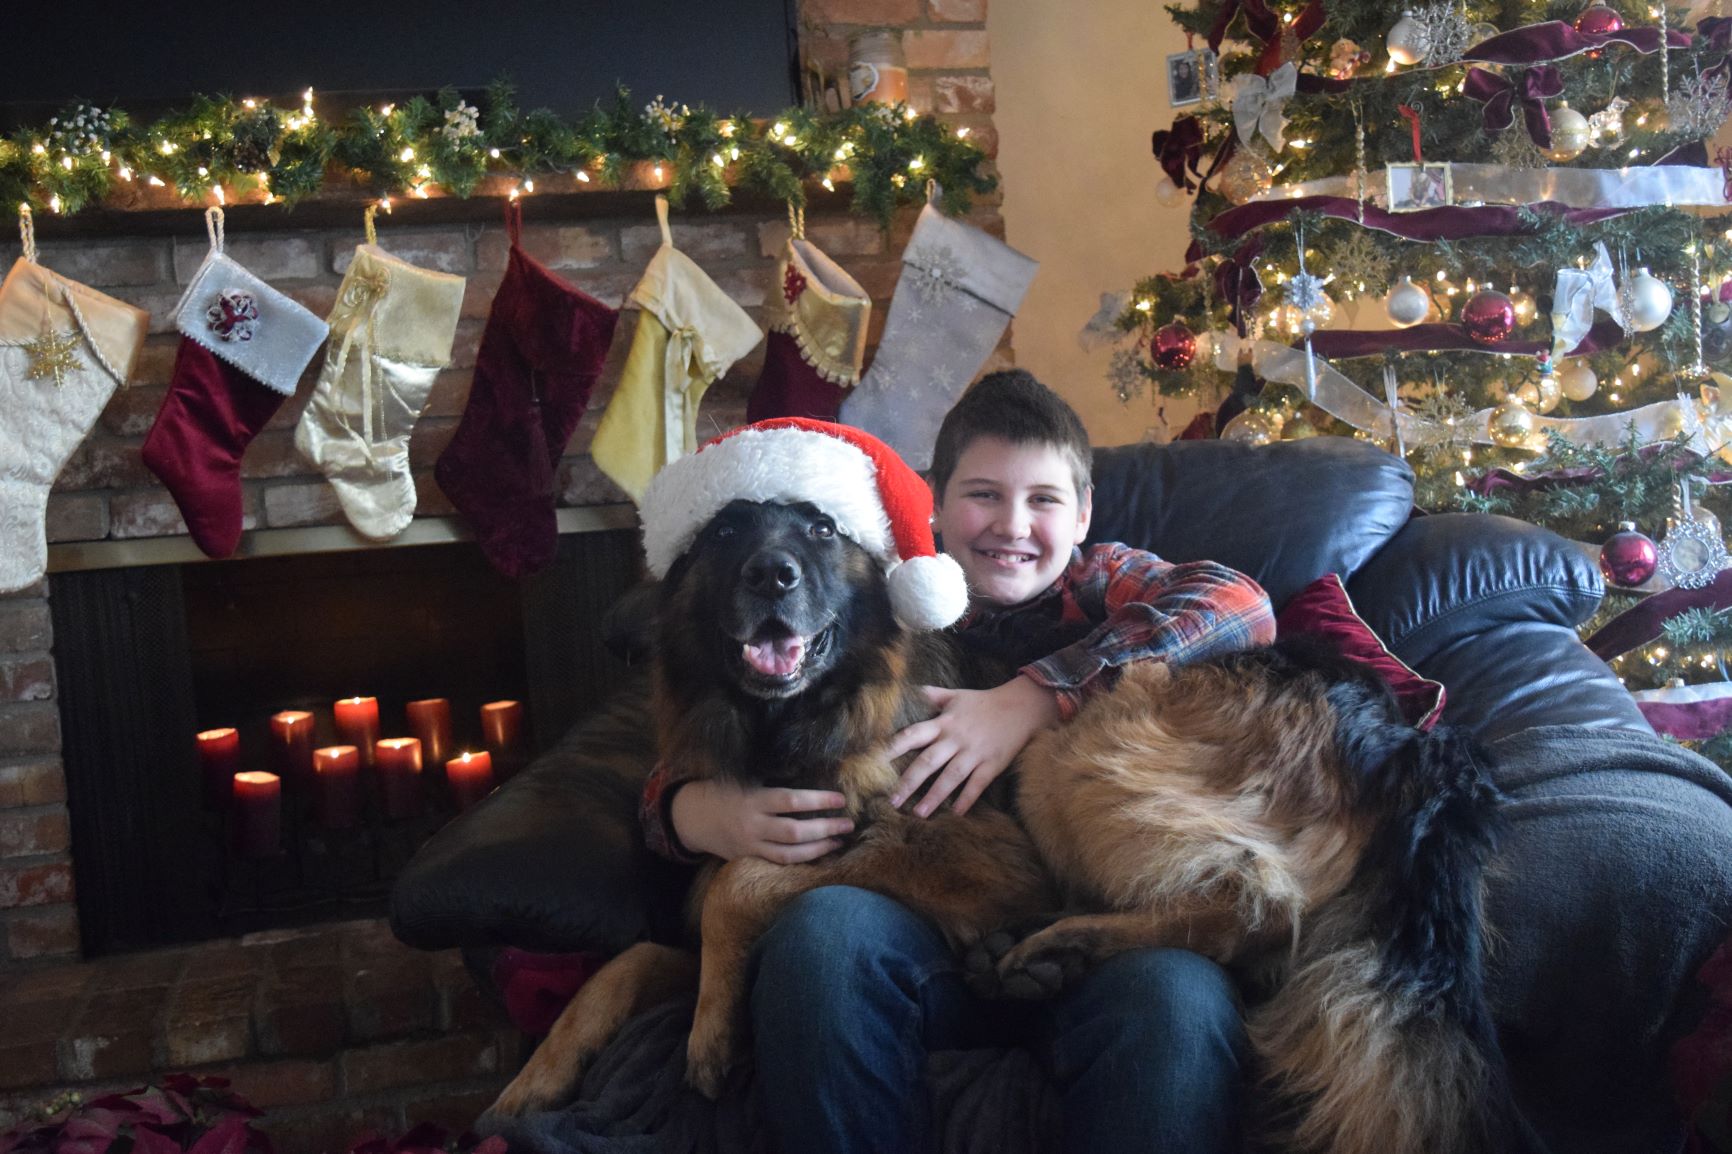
(264, 743)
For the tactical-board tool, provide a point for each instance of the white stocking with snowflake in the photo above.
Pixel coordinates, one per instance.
(64, 349)
(958, 290)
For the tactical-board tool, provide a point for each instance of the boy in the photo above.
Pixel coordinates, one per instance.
(853, 989)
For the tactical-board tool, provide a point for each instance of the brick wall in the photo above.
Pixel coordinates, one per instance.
(105, 492)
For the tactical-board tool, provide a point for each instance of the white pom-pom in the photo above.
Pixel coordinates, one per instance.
(928, 592)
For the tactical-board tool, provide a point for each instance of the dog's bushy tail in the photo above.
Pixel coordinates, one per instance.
(1379, 1041)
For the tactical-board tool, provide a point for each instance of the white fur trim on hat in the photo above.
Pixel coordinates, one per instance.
(786, 466)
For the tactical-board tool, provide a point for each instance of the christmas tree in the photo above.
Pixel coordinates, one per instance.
(1489, 237)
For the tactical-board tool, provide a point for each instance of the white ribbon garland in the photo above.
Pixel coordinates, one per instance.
(1672, 185)
(1341, 398)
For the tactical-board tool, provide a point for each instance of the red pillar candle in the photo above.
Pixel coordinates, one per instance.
(471, 778)
(398, 761)
(430, 722)
(358, 724)
(501, 726)
(292, 745)
(219, 753)
(337, 770)
(256, 818)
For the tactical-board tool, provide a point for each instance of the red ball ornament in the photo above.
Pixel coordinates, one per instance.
(1598, 19)
(1628, 557)
(1488, 316)
(1174, 346)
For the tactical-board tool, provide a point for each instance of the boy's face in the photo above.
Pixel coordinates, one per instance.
(1010, 515)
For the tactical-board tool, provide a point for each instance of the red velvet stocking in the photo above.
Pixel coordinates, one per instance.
(212, 412)
(789, 387)
(539, 360)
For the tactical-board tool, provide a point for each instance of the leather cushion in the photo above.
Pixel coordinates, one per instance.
(1283, 514)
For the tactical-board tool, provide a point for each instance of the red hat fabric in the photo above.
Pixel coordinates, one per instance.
(873, 496)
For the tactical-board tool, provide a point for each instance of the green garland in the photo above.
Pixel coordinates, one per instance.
(247, 147)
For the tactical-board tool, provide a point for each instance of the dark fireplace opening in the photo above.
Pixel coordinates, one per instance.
(156, 661)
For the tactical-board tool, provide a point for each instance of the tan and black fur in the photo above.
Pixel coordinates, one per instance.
(769, 571)
(1271, 811)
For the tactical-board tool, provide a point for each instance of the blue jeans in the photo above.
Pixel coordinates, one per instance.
(853, 989)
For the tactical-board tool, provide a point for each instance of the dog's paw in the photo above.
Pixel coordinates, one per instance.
(1040, 966)
(707, 1070)
(981, 961)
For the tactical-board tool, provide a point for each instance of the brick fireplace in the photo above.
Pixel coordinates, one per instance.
(389, 1036)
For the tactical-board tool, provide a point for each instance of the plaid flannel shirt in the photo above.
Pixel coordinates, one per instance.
(1112, 606)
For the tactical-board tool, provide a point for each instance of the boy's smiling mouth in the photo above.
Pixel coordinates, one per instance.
(1005, 557)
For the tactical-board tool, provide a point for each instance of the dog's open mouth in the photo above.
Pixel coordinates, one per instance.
(779, 655)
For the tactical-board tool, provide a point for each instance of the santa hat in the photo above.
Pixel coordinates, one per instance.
(857, 480)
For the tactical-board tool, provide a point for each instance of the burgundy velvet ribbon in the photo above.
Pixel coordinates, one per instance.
(1333, 344)
(1641, 623)
(1503, 480)
(1688, 720)
(1265, 25)
(1238, 284)
(1452, 223)
(1179, 149)
(1500, 95)
(1557, 40)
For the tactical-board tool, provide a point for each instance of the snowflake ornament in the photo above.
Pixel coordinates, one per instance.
(462, 122)
(667, 117)
(1446, 30)
(1363, 265)
(1305, 291)
(1125, 374)
(793, 284)
(233, 316)
(52, 355)
(1700, 105)
(1514, 148)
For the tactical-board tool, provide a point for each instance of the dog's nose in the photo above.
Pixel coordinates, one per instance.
(772, 573)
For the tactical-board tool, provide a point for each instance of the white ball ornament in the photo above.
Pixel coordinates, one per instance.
(1650, 301)
(1570, 134)
(1577, 381)
(1408, 42)
(1408, 304)
(1168, 194)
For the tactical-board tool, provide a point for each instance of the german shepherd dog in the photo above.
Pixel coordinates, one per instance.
(1269, 810)
(778, 662)
(1272, 811)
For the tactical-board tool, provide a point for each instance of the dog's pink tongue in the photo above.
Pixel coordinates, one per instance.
(777, 658)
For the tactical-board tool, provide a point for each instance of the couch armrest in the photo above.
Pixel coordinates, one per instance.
(1454, 575)
(554, 859)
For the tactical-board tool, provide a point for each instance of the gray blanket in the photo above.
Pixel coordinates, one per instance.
(1613, 885)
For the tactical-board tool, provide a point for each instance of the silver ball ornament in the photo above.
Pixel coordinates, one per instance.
(1251, 428)
(1408, 42)
(1408, 304)
(1650, 301)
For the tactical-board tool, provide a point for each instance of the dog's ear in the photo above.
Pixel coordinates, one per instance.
(628, 627)
(1367, 732)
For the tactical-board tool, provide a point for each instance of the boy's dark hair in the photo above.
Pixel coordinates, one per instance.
(1015, 407)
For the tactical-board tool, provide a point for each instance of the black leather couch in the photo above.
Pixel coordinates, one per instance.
(1486, 605)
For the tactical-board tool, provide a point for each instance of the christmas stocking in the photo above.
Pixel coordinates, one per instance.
(958, 290)
(391, 333)
(817, 337)
(243, 348)
(690, 332)
(539, 359)
(64, 349)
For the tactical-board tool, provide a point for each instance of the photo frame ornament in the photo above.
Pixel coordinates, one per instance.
(1417, 187)
(1692, 555)
(1191, 75)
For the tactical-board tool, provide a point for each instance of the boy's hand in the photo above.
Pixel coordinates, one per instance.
(976, 734)
(730, 821)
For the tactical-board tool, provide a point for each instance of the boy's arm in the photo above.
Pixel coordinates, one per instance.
(1151, 610)
(653, 813)
(727, 820)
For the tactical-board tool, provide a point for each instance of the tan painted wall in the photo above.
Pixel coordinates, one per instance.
(1080, 88)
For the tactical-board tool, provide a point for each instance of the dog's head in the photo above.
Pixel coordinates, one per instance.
(771, 599)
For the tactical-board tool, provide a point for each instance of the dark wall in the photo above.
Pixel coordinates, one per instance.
(734, 55)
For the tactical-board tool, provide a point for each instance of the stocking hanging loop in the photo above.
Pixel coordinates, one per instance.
(933, 192)
(662, 219)
(213, 226)
(514, 222)
(797, 220)
(367, 215)
(27, 232)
